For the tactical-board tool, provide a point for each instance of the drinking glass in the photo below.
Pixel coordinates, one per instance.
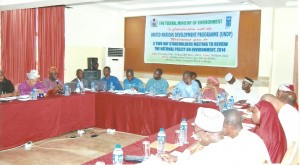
(146, 147)
(177, 138)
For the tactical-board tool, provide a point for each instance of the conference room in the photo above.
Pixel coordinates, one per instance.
(262, 44)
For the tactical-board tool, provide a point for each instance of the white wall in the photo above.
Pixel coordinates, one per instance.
(284, 32)
(88, 31)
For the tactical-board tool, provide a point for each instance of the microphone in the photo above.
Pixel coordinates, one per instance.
(57, 83)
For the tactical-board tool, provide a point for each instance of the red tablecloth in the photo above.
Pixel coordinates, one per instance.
(142, 114)
(137, 147)
(21, 122)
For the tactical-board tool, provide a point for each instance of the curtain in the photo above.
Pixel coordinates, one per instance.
(51, 40)
(18, 43)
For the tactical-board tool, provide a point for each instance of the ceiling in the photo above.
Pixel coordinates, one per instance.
(134, 7)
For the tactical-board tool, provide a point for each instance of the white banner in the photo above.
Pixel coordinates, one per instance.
(198, 39)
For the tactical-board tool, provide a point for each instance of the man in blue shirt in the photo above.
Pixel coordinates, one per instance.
(186, 87)
(111, 79)
(133, 82)
(158, 84)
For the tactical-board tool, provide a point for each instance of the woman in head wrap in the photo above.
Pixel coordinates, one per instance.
(268, 128)
(212, 88)
(25, 87)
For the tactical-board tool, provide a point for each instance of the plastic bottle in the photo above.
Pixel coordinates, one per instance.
(117, 157)
(199, 99)
(231, 100)
(77, 90)
(93, 87)
(67, 92)
(111, 88)
(218, 99)
(161, 140)
(34, 94)
(183, 131)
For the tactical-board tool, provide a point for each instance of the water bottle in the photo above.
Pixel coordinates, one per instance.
(161, 140)
(231, 100)
(183, 131)
(111, 88)
(199, 99)
(225, 106)
(67, 92)
(117, 157)
(34, 94)
(218, 99)
(93, 87)
(77, 90)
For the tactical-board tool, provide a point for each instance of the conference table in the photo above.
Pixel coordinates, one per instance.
(54, 115)
(23, 121)
(136, 148)
(142, 114)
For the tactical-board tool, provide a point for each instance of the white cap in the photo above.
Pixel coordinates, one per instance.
(33, 74)
(228, 77)
(286, 87)
(210, 120)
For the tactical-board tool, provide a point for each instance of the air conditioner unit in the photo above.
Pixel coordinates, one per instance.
(114, 58)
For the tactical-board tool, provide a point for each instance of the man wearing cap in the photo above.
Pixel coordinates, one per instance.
(288, 117)
(52, 83)
(25, 87)
(246, 95)
(233, 86)
(217, 148)
(248, 142)
(286, 94)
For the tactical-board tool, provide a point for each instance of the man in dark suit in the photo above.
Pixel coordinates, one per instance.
(80, 79)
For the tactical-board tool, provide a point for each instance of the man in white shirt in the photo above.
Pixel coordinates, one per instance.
(247, 95)
(288, 116)
(233, 86)
(80, 79)
(248, 142)
(217, 149)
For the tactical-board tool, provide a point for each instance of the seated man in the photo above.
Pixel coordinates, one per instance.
(211, 146)
(52, 83)
(186, 87)
(133, 82)
(286, 94)
(111, 79)
(288, 117)
(194, 77)
(247, 95)
(233, 86)
(80, 79)
(249, 142)
(6, 87)
(157, 84)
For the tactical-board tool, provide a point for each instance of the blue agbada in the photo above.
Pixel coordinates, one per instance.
(159, 86)
(135, 82)
(186, 90)
(114, 80)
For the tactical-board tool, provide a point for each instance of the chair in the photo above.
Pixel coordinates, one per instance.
(291, 155)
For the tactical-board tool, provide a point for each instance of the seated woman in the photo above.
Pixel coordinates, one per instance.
(212, 89)
(6, 87)
(25, 87)
(268, 128)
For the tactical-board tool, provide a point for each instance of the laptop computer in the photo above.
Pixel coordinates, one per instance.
(102, 85)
